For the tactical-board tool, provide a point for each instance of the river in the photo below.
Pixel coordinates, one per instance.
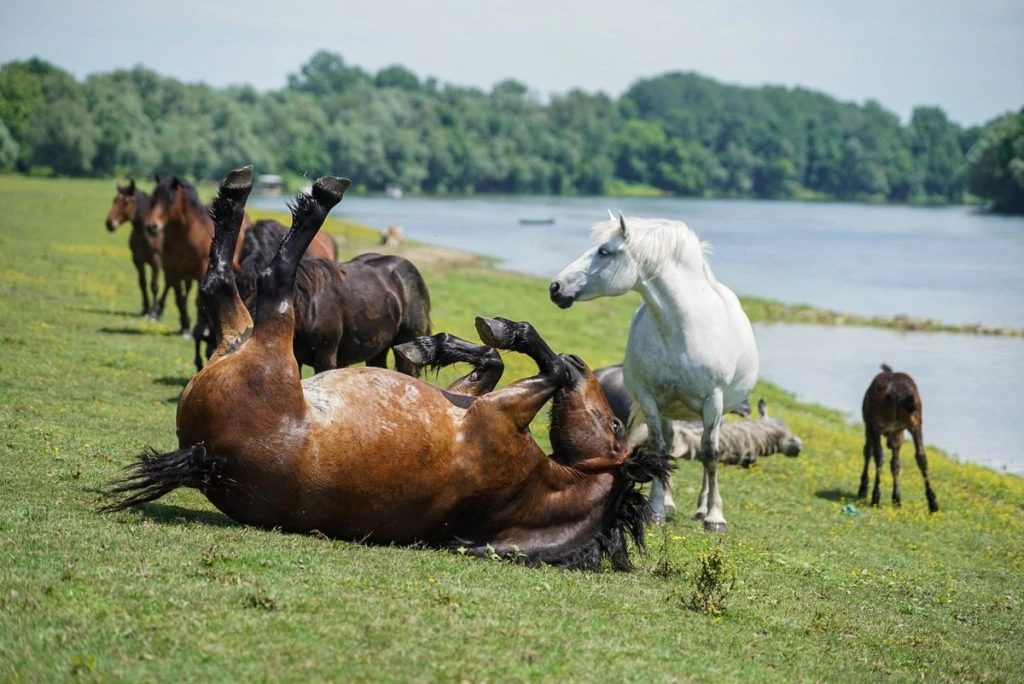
(951, 264)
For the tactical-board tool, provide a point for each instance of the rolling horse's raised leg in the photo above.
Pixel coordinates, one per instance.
(442, 350)
(522, 400)
(220, 305)
(275, 313)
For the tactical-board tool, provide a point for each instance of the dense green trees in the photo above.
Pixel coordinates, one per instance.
(679, 133)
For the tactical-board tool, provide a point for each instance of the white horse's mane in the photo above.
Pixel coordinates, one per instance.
(653, 243)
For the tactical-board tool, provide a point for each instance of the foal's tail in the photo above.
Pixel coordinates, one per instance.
(155, 474)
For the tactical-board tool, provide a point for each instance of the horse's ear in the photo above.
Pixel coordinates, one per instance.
(130, 190)
(156, 178)
(175, 183)
(762, 408)
(611, 216)
(120, 190)
(622, 224)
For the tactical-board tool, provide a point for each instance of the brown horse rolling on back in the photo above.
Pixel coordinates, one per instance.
(177, 215)
(130, 204)
(892, 405)
(371, 454)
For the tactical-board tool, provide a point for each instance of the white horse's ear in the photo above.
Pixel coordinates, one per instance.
(611, 215)
(622, 224)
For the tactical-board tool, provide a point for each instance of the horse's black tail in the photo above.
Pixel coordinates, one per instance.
(155, 474)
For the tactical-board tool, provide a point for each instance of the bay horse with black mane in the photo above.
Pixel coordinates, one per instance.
(177, 214)
(130, 204)
(371, 454)
(344, 313)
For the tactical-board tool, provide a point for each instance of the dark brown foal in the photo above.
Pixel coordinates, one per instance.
(892, 404)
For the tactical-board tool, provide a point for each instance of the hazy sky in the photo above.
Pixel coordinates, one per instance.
(967, 57)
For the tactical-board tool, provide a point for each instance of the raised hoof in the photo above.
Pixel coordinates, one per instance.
(716, 527)
(239, 178)
(330, 189)
(414, 352)
(494, 332)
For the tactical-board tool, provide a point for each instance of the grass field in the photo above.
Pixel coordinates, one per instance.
(178, 592)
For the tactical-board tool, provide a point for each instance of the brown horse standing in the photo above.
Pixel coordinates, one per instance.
(130, 204)
(176, 213)
(892, 404)
(367, 453)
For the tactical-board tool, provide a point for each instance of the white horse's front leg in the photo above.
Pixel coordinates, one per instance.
(702, 498)
(714, 521)
(670, 504)
(656, 441)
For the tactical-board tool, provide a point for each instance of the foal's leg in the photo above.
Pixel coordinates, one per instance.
(922, 463)
(181, 288)
(879, 457)
(220, 305)
(712, 414)
(522, 400)
(275, 312)
(894, 442)
(869, 437)
(443, 350)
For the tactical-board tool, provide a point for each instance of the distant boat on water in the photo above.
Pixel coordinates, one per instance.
(536, 221)
(393, 190)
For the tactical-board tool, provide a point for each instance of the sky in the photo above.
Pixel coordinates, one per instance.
(967, 57)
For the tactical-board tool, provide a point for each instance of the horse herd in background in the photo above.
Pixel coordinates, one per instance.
(376, 455)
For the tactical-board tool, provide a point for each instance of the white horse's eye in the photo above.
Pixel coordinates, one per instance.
(603, 252)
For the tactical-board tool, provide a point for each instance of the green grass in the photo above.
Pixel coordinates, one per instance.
(176, 591)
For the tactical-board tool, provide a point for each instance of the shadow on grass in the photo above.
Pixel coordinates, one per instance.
(171, 381)
(176, 515)
(107, 312)
(836, 495)
(123, 331)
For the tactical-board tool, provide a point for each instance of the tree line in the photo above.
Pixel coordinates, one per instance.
(678, 133)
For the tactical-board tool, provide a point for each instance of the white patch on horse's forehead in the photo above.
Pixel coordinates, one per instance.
(283, 307)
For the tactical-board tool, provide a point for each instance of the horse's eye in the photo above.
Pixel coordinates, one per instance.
(603, 252)
(616, 426)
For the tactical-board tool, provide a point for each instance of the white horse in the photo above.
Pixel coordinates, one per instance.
(691, 352)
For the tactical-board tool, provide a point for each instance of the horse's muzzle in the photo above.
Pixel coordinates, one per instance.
(558, 296)
(111, 226)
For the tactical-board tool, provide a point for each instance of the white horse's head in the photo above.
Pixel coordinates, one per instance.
(622, 258)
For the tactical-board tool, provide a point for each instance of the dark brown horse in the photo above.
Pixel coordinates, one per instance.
(130, 204)
(344, 313)
(370, 454)
(176, 213)
(892, 405)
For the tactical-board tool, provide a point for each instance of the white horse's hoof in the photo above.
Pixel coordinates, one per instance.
(700, 515)
(657, 519)
(716, 527)
(670, 510)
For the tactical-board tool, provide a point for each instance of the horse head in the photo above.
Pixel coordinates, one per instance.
(123, 207)
(788, 443)
(164, 206)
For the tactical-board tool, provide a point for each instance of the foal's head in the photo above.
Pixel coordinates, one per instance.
(124, 206)
(624, 257)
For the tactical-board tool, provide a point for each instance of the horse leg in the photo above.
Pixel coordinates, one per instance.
(379, 361)
(140, 266)
(647, 405)
(712, 411)
(199, 333)
(181, 288)
(922, 463)
(275, 312)
(443, 350)
(670, 504)
(876, 452)
(894, 442)
(222, 315)
(869, 437)
(522, 400)
(154, 286)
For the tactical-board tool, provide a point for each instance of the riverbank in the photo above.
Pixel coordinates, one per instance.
(177, 591)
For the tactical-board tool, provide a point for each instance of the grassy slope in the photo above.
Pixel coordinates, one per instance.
(177, 591)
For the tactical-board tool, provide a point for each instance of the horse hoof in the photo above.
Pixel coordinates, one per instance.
(414, 353)
(699, 515)
(494, 332)
(185, 333)
(716, 527)
(670, 511)
(657, 519)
